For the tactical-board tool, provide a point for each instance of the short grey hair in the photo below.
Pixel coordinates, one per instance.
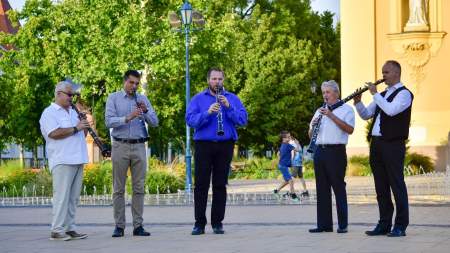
(331, 84)
(62, 86)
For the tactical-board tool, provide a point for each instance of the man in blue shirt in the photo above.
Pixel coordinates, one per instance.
(214, 114)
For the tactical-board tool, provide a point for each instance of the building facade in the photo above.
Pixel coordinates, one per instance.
(413, 32)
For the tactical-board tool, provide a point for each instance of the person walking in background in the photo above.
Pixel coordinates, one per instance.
(214, 113)
(391, 114)
(330, 158)
(65, 139)
(284, 163)
(297, 166)
(125, 113)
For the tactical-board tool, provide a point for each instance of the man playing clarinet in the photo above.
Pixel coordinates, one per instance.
(391, 114)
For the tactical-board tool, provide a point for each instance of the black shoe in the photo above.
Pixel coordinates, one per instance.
(118, 232)
(378, 230)
(140, 231)
(342, 230)
(304, 194)
(197, 231)
(396, 232)
(218, 230)
(320, 230)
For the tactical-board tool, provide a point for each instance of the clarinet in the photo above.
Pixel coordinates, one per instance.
(220, 131)
(106, 152)
(312, 145)
(144, 129)
(354, 94)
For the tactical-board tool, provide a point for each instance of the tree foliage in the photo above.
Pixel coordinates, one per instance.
(271, 51)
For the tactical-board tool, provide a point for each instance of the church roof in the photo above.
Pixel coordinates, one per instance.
(5, 24)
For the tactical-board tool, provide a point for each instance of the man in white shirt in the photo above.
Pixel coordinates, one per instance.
(330, 159)
(391, 111)
(67, 153)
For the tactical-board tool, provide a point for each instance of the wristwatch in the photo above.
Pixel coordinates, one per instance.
(75, 130)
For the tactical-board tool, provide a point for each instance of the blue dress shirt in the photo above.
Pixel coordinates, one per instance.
(205, 124)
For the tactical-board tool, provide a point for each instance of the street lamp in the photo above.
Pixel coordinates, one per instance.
(191, 20)
(313, 92)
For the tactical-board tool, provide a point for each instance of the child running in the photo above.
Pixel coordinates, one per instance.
(284, 164)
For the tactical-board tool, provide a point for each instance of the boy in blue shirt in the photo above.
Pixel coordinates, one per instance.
(284, 164)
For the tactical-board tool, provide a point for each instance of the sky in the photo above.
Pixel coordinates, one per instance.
(317, 5)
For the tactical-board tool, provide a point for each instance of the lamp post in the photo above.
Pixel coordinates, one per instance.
(189, 18)
(313, 92)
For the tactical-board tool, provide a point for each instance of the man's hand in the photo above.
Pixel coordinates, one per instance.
(136, 113)
(325, 111)
(215, 107)
(142, 106)
(372, 88)
(357, 99)
(223, 100)
(82, 124)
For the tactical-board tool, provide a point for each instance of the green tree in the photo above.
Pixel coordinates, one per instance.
(270, 51)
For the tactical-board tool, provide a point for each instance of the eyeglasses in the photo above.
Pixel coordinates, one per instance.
(68, 94)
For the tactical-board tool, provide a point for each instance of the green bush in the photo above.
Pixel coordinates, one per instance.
(418, 164)
(98, 175)
(9, 167)
(358, 165)
(308, 169)
(163, 182)
(26, 182)
(257, 168)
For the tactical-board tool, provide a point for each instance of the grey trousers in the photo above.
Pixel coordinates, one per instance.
(124, 156)
(67, 181)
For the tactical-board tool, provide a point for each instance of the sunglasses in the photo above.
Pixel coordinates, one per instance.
(68, 94)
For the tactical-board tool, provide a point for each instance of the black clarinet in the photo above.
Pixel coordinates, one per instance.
(220, 131)
(354, 94)
(312, 145)
(141, 120)
(106, 152)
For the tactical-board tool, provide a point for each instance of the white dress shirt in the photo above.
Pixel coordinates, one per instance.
(329, 132)
(69, 150)
(400, 103)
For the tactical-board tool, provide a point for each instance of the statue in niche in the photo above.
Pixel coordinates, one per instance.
(417, 16)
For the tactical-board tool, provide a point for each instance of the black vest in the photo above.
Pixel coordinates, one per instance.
(393, 127)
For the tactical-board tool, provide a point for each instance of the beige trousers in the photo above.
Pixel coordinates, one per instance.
(124, 156)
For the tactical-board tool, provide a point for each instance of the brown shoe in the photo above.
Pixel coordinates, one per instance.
(59, 237)
(76, 236)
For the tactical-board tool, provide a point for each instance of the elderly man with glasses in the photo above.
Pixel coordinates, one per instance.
(67, 153)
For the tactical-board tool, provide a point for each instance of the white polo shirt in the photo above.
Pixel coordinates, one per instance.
(329, 132)
(69, 150)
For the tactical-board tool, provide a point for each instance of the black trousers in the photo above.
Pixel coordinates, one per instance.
(387, 162)
(330, 164)
(211, 158)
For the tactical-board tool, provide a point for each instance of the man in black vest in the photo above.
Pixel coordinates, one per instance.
(391, 114)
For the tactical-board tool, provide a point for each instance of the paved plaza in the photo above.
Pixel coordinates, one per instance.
(258, 228)
(251, 226)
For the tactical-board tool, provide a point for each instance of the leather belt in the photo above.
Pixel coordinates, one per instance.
(330, 145)
(131, 141)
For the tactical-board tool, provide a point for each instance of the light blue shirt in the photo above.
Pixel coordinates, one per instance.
(118, 106)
